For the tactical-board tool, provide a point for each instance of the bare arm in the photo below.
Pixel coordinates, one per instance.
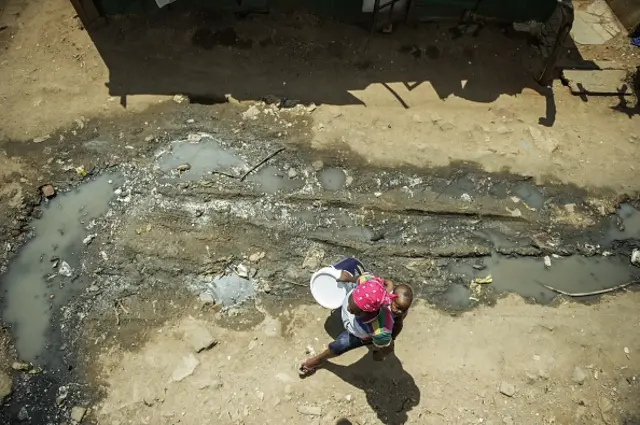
(347, 277)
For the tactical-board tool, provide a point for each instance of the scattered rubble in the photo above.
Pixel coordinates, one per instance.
(6, 386)
(579, 375)
(48, 191)
(310, 410)
(507, 389)
(77, 414)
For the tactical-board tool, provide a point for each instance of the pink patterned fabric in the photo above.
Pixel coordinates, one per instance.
(371, 295)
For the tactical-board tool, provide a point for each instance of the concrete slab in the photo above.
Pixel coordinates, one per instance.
(596, 24)
(611, 81)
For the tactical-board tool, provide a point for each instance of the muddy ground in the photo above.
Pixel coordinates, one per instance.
(156, 245)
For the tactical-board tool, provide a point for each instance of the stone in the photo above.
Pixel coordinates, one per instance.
(197, 335)
(251, 113)
(310, 410)
(186, 368)
(507, 389)
(579, 375)
(254, 258)
(77, 414)
(21, 366)
(48, 191)
(605, 405)
(6, 386)
(317, 165)
(313, 259)
(292, 173)
(507, 420)
(608, 81)
(594, 25)
(183, 167)
(23, 414)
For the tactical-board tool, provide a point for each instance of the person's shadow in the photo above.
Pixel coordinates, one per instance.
(390, 390)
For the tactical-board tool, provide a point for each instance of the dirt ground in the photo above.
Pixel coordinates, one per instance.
(433, 138)
(447, 370)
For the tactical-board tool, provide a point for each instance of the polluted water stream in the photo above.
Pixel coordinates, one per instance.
(47, 270)
(527, 276)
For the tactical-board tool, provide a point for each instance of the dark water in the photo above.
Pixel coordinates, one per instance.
(32, 289)
(524, 275)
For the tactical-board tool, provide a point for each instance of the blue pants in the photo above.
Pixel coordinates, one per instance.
(346, 342)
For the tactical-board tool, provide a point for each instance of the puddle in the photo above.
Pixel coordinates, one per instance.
(624, 225)
(204, 156)
(523, 275)
(226, 290)
(332, 179)
(271, 180)
(32, 290)
(529, 194)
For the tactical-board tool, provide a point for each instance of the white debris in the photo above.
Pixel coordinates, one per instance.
(466, 197)
(65, 269)
(179, 98)
(547, 261)
(251, 113)
(635, 257)
(117, 192)
(104, 256)
(254, 258)
(242, 271)
(89, 239)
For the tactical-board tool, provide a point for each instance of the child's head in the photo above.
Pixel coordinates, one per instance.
(403, 299)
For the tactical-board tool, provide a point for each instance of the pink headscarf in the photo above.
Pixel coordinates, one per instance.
(372, 295)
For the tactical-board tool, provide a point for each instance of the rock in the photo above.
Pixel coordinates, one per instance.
(313, 259)
(507, 420)
(254, 258)
(547, 261)
(5, 386)
(635, 257)
(507, 389)
(183, 167)
(252, 344)
(317, 165)
(179, 98)
(65, 269)
(77, 414)
(292, 173)
(446, 126)
(579, 375)
(185, 368)
(503, 130)
(21, 366)
(251, 113)
(41, 138)
(348, 397)
(310, 410)
(48, 191)
(89, 239)
(348, 181)
(23, 414)
(605, 405)
(197, 335)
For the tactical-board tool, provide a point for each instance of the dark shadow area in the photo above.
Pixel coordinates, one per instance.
(343, 421)
(207, 55)
(333, 325)
(390, 390)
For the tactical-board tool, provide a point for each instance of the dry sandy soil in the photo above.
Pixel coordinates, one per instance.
(472, 105)
(448, 370)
